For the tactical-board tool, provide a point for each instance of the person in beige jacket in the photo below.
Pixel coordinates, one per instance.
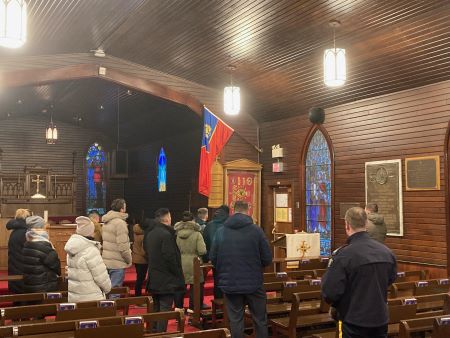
(139, 258)
(116, 243)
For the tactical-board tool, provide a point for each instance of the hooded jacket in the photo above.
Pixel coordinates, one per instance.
(15, 246)
(116, 243)
(239, 253)
(41, 267)
(87, 274)
(219, 218)
(165, 274)
(376, 227)
(138, 253)
(191, 244)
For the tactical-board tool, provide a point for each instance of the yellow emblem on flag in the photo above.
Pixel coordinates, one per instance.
(208, 131)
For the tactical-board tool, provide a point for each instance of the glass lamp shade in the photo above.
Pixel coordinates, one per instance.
(51, 134)
(13, 23)
(232, 100)
(334, 67)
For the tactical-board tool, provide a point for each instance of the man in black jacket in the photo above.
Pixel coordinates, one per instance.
(165, 274)
(358, 278)
(239, 253)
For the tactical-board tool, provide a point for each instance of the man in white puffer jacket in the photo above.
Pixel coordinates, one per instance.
(87, 274)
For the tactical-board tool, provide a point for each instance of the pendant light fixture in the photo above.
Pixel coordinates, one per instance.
(13, 23)
(335, 72)
(231, 96)
(51, 133)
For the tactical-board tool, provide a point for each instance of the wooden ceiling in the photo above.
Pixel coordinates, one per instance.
(277, 45)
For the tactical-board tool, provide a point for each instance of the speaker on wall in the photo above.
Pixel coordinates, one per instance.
(317, 115)
(119, 161)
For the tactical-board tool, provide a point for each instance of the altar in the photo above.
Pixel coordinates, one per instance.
(38, 189)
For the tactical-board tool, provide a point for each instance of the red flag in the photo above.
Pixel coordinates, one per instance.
(215, 135)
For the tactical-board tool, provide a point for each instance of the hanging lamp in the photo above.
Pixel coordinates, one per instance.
(13, 23)
(231, 96)
(334, 64)
(51, 133)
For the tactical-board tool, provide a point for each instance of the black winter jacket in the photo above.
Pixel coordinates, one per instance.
(211, 228)
(15, 246)
(357, 281)
(41, 267)
(165, 274)
(239, 253)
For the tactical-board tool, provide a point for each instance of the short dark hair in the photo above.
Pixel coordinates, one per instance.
(202, 212)
(187, 216)
(372, 207)
(240, 206)
(160, 213)
(118, 204)
(356, 217)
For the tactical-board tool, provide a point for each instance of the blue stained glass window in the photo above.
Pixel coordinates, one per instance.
(162, 170)
(318, 190)
(95, 179)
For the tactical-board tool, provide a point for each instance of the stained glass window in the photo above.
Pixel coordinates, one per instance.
(162, 168)
(318, 190)
(96, 185)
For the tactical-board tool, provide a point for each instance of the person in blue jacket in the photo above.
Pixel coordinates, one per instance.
(239, 253)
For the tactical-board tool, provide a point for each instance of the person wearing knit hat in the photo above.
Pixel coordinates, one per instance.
(85, 227)
(35, 222)
(88, 278)
(41, 265)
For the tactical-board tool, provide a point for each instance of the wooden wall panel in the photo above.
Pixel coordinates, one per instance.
(404, 124)
(23, 144)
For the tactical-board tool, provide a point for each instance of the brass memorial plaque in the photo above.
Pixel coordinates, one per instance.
(384, 187)
(422, 173)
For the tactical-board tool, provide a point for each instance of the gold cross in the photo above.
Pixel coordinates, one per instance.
(303, 248)
(38, 182)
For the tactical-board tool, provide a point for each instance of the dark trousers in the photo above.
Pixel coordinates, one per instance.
(141, 273)
(218, 294)
(235, 304)
(354, 331)
(162, 303)
(179, 297)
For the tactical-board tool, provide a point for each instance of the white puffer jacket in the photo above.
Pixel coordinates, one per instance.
(116, 243)
(87, 274)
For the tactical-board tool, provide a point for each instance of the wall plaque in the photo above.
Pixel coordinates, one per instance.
(343, 207)
(384, 187)
(422, 173)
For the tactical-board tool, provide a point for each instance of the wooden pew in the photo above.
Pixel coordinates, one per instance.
(441, 327)
(425, 303)
(66, 329)
(297, 322)
(417, 288)
(304, 263)
(411, 276)
(49, 297)
(39, 312)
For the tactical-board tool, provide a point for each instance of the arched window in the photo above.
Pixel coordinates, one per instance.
(162, 170)
(318, 178)
(95, 179)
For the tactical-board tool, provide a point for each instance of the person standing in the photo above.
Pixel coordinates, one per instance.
(357, 280)
(239, 253)
(116, 244)
(219, 218)
(95, 218)
(41, 265)
(375, 226)
(165, 274)
(191, 244)
(15, 246)
(202, 218)
(88, 278)
(139, 258)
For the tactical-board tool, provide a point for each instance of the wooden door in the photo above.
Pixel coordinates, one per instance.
(282, 209)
